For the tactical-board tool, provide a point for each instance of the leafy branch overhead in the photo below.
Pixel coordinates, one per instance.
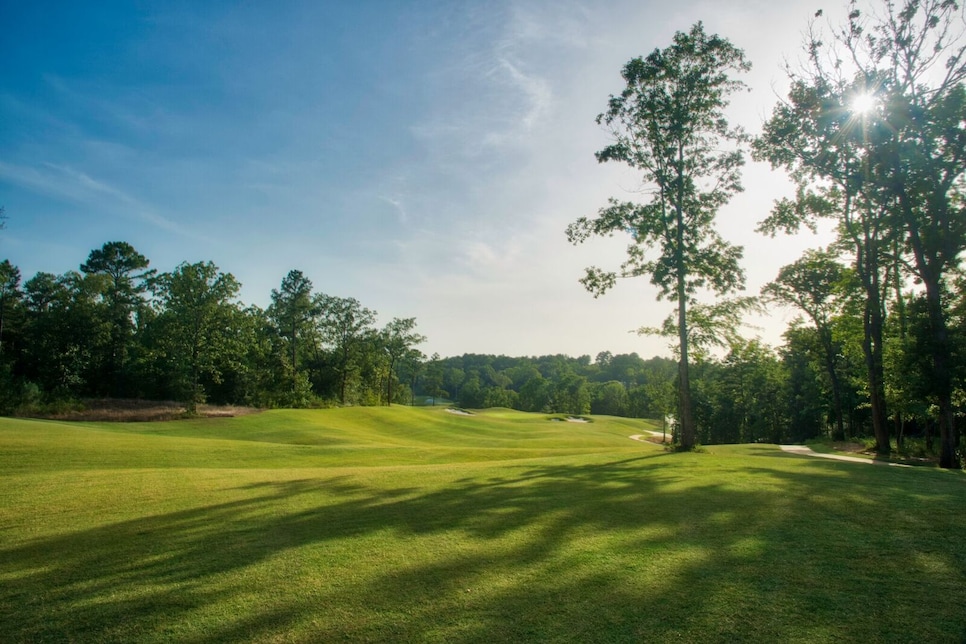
(711, 326)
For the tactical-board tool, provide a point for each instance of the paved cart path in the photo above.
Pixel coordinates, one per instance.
(804, 450)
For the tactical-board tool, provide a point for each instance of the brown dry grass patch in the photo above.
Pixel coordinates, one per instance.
(850, 447)
(125, 410)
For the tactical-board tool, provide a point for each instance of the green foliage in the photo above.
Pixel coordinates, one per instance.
(610, 399)
(817, 284)
(347, 326)
(125, 280)
(668, 123)
(9, 293)
(84, 334)
(710, 326)
(749, 402)
(809, 407)
(293, 311)
(398, 340)
(67, 334)
(558, 384)
(195, 336)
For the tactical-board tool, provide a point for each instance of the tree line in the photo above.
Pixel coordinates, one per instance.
(116, 328)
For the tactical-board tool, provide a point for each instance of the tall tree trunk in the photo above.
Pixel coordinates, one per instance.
(837, 402)
(345, 370)
(117, 362)
(898, 418)
(942, 376)
(932, 246)
(2, 307)
(873, 322)
(685, 414)
(193, 401)
(829, 348)
(294, 356)
(928, 267)
(872, 348)
(688, 432)
(392, 364)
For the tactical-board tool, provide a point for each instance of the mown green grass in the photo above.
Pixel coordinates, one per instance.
(418, 525)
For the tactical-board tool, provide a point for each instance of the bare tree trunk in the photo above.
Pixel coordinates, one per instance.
(392, 364)
(192, 405)
(345, 369)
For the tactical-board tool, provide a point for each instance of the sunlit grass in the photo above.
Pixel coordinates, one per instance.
(419, 525)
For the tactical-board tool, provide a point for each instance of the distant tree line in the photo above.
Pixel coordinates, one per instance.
(621, 385)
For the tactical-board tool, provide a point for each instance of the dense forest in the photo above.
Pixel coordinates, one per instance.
(117, 328)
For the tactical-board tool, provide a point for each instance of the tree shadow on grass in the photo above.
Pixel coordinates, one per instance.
(622, 550)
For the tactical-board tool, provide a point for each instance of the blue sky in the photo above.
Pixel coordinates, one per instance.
(422, 157)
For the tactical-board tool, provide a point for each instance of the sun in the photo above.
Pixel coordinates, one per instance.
(863, 104)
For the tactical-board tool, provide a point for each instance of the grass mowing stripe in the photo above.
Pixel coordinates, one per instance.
(39, 445)
(598, 539)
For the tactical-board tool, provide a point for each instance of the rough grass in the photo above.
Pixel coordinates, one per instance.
(118, 410)
(418, 525)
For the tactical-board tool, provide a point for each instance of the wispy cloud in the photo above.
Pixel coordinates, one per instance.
(536, 90)
(556, 24)
(398, 206)
(65, 182)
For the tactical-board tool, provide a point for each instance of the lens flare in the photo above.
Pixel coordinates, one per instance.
(863, 104)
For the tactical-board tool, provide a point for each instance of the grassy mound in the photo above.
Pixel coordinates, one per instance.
(404, 524)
